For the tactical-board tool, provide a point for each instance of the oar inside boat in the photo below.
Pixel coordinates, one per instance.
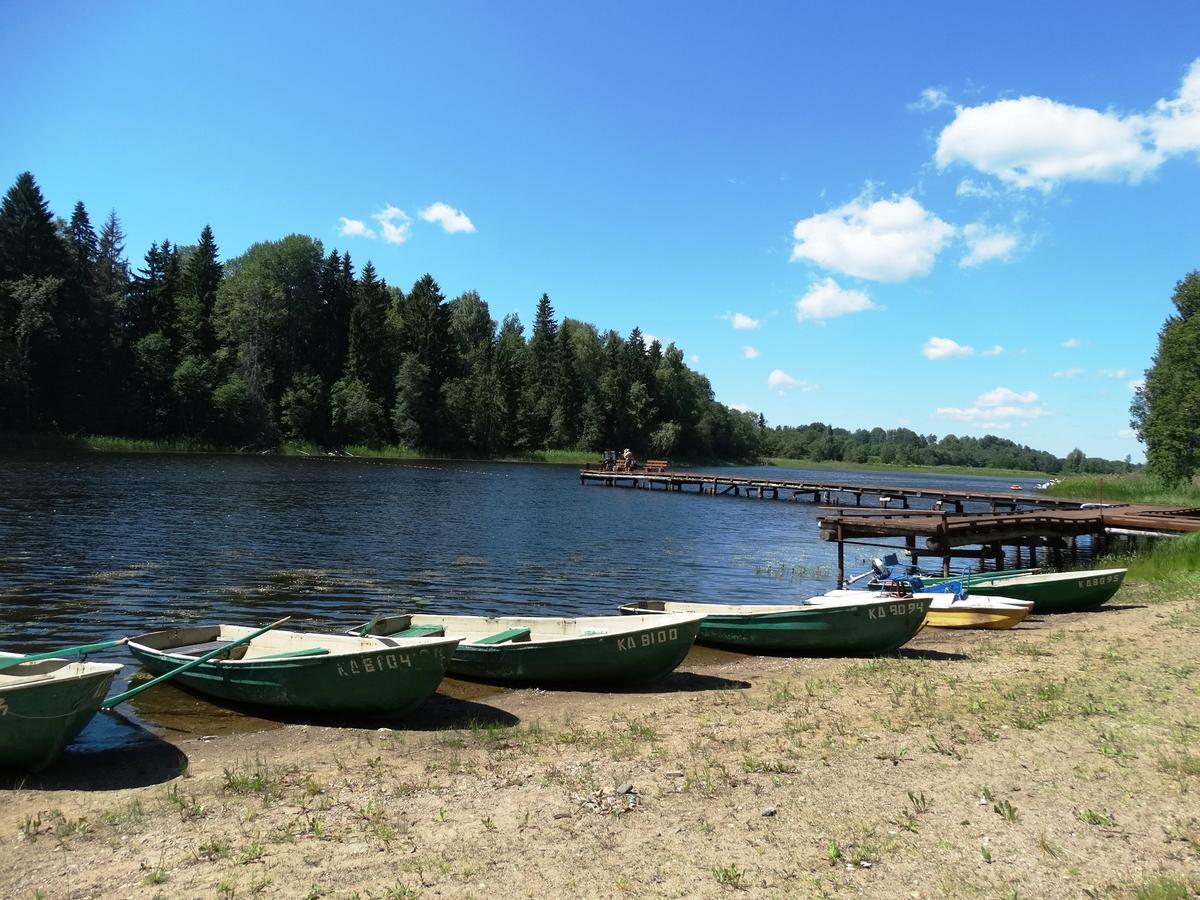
(80, 650)
(191, 664)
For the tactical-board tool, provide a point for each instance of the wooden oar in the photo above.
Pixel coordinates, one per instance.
(7, 662)
(190, 664)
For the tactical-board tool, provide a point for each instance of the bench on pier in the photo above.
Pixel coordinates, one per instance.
(656, 465)
(505, 636)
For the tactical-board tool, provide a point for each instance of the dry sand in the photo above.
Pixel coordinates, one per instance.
(1060, 759)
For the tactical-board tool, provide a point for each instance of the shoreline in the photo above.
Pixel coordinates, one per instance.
(1053, 759)
(103, 444)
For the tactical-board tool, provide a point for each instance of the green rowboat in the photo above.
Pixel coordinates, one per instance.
(819, 629)
(44, 704)
(297, 670)
(1050, 592)
(596, 650)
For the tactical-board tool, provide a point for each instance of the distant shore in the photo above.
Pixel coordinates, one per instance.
(107, 444)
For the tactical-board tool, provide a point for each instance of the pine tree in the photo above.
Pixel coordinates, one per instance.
(29, 241)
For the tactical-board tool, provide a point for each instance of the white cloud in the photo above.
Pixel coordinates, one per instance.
(354, 228)
(995, 351)
(695, 357)
(1127, 433)
(1113, 373)
(996, 408)
(1071, 343)
(1002, 395)
(740, 407)
(1176, 123)
(884, 240)
(741, 321)
(453, 221)
(749, 352)
(394, 224)
(930, 99)
(1136, 384)
(1068, 373)
(1036, 142)
(945, 348)
(984, 244)
(781, 381)
(826, 300)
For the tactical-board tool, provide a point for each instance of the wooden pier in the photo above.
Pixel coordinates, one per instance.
(1028, 525)
(1054, 534)
(827, 493)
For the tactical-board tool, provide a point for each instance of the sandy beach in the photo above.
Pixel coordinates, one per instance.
(1061, 758)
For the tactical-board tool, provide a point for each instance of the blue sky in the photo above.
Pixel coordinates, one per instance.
(958, 218)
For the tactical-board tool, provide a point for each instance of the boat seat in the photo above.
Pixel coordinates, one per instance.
(197, 649)
(509, 634)
(417, 631)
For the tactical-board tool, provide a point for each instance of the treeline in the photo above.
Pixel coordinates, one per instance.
(901, 446)
(287, 342)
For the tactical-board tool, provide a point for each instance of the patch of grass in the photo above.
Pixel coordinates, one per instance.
(770, 766)
(257, 778)
(189, 807)
(1099, 819)
(1006, 811)
(1182, 764)
(1166, 887)
(728, 876)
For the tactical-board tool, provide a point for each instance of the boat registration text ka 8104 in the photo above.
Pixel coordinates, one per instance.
(367, 664)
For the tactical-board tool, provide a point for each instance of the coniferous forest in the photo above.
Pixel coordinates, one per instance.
(289, 343)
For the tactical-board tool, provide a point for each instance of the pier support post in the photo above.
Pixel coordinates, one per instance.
(841, 559)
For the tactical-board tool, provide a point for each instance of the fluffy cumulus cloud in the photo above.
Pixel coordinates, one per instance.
(992, 409)
(741, 321)
(827, 300)
(945, 348)
(782, 382)
(881, 240)
(985, 244)
(995, 351)
(354, 228)
(394, 224)
(1038, 143)
(749, 352)
(740, 407)
(453, 221)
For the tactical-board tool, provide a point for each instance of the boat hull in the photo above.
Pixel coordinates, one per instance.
(598, 656)
(860, 628)
(389, 679)
(39, 720)
(992, 618)
(1058, 592)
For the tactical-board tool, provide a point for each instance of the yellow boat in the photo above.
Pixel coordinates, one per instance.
(975, 612)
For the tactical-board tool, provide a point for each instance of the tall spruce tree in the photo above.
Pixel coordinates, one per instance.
(29, 240)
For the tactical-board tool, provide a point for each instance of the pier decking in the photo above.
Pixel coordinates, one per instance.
(829, 493)
(1027, 524)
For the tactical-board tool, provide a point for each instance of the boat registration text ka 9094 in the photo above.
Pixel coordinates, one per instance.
(893, 609)
(368, 665)
(647, 639)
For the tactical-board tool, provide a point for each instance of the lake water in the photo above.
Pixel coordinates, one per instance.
(99, 546)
